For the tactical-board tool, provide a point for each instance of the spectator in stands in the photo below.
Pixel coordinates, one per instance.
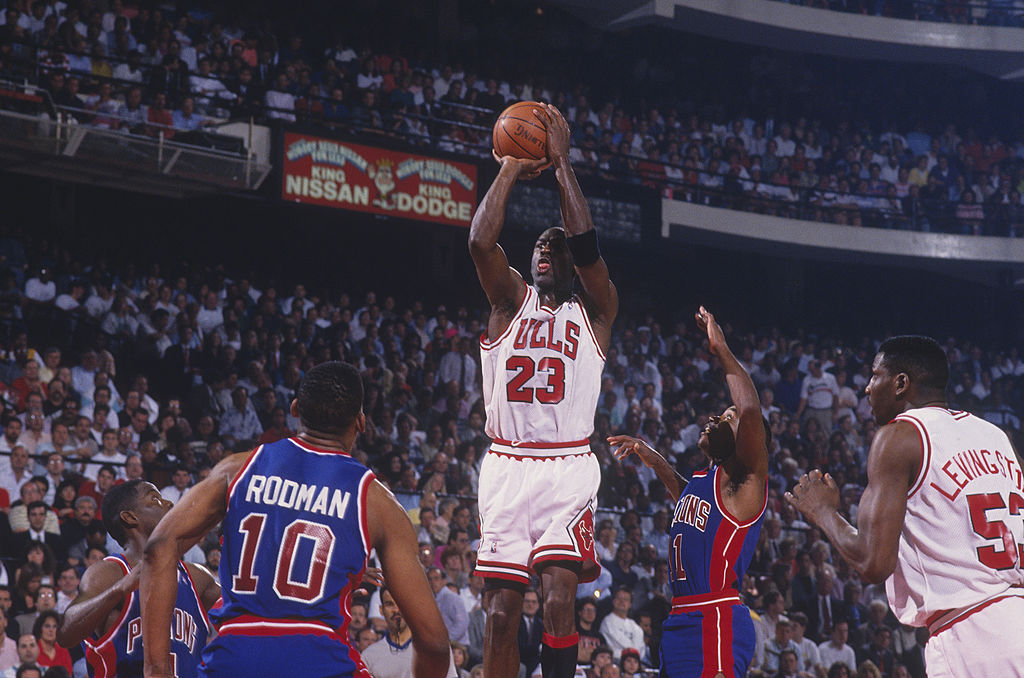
(279, 100)
(240, 420)
(618, 629)
(132, 115)
(159, 117)
(130, 70)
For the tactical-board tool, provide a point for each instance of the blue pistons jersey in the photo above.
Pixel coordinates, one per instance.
(295, 546)
(118, 652)
(709, 630)
(711, 550)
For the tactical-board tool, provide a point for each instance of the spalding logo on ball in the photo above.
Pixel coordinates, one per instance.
(519, 133)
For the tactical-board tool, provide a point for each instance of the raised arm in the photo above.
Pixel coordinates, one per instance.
(599, 292)
(183, 527)
(871, 548)
(393, 537)
(750, 440)
(652, 459)
(502, 284)
(104, 589)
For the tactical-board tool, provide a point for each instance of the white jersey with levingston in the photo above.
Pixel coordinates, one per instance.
(542, 378)
(963, 536)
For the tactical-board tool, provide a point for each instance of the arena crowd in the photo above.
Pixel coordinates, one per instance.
(113, 374)
(180, 73)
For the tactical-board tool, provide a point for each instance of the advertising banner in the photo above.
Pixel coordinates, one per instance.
(318, 171)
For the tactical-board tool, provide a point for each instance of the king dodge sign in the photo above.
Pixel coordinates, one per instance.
(332, 173)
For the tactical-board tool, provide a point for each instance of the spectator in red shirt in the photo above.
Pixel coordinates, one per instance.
(160, 117)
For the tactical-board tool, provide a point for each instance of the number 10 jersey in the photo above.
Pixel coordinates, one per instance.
(542, 376)
(295, 545)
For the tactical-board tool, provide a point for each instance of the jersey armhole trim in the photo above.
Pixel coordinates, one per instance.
(487, 345)
(364, 525)
(125, 609)
(241, 472)
(199, 599)
(926, 451)
(590, 328)
(720, 502)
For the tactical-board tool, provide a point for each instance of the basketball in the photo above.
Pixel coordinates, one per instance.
(519, 133)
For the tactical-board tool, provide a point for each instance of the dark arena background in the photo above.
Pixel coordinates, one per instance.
(822, 174)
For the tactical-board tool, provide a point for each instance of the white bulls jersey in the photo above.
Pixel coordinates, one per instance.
(542, 377)
(963, 536)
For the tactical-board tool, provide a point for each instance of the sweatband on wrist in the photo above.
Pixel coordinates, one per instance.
(584, 248)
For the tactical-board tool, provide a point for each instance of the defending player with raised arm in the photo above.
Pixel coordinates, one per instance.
(106, 612)
(715, 528)
(940, 519)
(300, 518)
(542, 357)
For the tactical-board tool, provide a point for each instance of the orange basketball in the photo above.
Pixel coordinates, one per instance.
(519, 133)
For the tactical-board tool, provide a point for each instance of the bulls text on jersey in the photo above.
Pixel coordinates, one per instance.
(541, 333)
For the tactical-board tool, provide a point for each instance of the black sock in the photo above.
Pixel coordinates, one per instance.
(558, 656)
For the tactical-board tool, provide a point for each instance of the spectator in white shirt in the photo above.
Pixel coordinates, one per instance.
(181, 481)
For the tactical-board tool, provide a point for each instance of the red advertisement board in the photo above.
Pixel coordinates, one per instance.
(331, 173)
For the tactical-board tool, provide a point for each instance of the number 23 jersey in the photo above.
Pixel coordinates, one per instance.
(542, 376)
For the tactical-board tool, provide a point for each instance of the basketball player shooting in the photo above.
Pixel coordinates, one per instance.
(940, 519)
(542, 358)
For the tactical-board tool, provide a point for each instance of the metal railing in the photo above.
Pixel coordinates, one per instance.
(978, 12)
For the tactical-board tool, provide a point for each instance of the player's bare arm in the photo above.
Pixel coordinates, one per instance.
(599, 293)
(101, 596)
(502, 284)
(750, 443)
(652, 459)
(183, 527)
(872, 547)
(392, 535)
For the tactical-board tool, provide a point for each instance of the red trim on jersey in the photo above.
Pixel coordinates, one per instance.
(364, 526)
(711, 644)
(964, 615)
(199, 599)
(126, 606)
(481, 566)
(720, 502)
(926, 451)
(560, 642)
(522, 457)
(689, 603)
(241, 472)
(725, 659)
(503, 575)
(541, 446)
(319, 450)
(590, 328)
(488, 345)
(103, 660)
(252, 625)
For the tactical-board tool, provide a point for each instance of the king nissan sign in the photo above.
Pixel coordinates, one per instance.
(331, 173)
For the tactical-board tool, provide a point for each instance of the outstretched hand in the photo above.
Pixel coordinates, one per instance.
(716, 338)
(524, 168)
(628, 445)
(815, 495)
(557, 129)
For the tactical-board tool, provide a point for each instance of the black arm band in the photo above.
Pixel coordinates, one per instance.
(584, 248)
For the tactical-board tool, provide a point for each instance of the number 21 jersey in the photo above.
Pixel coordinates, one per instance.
(542, 376)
